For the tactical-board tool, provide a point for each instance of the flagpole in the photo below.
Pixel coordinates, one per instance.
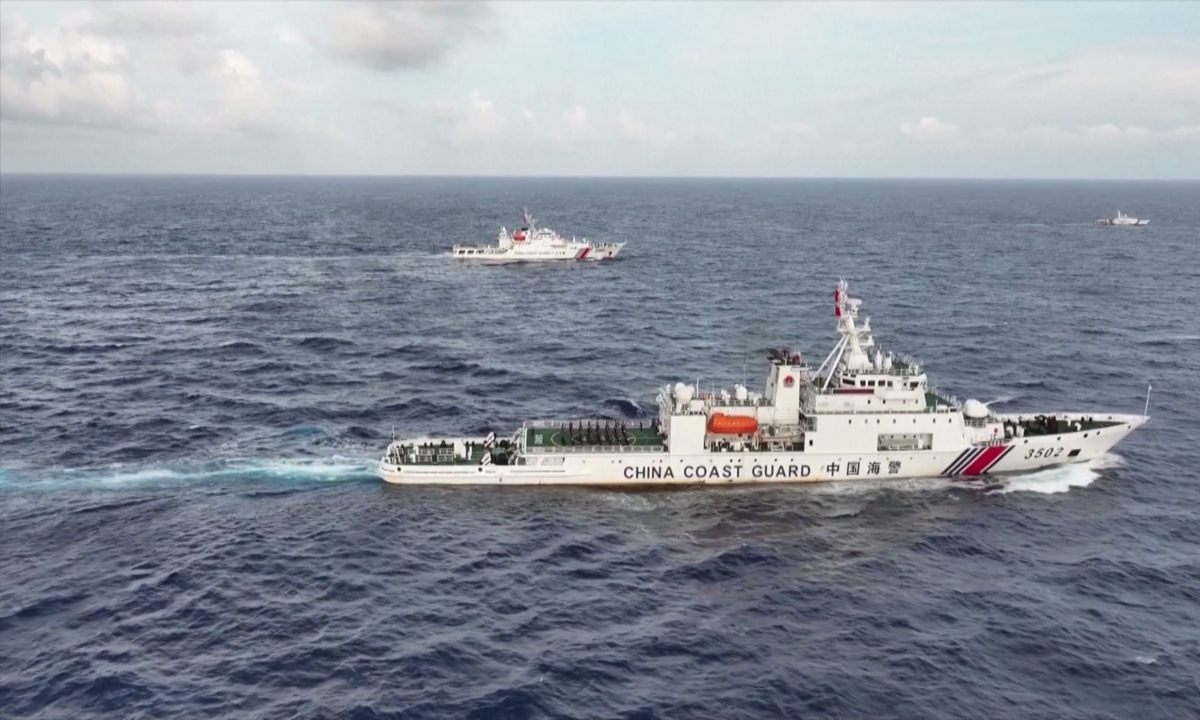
(1146, 411)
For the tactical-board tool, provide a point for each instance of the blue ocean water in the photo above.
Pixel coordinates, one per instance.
(197, 376)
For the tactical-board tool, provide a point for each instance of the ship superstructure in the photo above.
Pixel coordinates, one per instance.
(531, 243)
(1122, 220)
(862, 413)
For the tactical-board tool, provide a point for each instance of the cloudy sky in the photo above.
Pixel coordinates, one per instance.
(851, 89)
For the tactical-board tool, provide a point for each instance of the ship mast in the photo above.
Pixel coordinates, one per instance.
(851, 348)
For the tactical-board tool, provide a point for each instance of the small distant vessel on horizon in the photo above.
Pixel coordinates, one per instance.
(1122, 219)
(531, 243)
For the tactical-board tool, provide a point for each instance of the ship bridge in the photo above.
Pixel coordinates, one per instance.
(859, 399)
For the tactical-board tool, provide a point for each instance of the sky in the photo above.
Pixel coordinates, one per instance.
(728, 89)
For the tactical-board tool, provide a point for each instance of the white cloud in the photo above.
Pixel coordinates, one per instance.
(1142, 88)
(575, 127)
(154, 19)
(177, 33)
(213, 80)
(632, 128)
(1109, 131)
(75, 76)
(403, 35)
(1100, 135)
(245, 104)
(71, 79)
(288, 35)
(929, 128)
(469, 121)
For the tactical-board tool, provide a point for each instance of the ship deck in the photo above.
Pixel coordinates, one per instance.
(933, 401)
(559, 437)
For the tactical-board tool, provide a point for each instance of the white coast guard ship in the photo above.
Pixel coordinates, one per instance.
(1122, 219)
(531, 243)
(861, 414)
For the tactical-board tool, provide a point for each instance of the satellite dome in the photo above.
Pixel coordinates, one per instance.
(975, 409)
(683, 393)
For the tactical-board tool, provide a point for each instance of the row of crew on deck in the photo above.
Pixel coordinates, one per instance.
(1042, 425)
(601, 433)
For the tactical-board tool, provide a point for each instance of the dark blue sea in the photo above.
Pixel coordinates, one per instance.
(198, 375)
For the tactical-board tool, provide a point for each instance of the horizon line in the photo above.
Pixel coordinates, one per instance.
(446, 176)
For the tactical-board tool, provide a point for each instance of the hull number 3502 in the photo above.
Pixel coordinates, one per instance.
(1043, 453)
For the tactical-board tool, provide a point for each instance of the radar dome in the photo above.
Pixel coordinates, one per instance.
(740, 392)
(683, 393)
(975, 409)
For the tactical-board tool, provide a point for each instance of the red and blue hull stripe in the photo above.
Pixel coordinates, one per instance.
(977, 461)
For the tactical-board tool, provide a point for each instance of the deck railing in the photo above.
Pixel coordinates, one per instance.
(596, 449)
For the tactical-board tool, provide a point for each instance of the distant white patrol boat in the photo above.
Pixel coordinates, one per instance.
(1122, 219)
(531, 243)
(860, 415)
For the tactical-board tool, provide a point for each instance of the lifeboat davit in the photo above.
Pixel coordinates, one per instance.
(722, 424)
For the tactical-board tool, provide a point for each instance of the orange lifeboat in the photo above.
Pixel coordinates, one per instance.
(722, 424)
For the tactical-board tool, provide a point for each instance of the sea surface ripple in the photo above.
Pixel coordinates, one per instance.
(198, 375)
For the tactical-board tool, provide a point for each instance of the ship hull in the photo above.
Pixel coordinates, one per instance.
(492, 255)
(649, 469)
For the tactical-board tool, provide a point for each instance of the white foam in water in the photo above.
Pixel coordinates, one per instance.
(333, 469)
(336, 469)
(1061, 479)
(867, 487)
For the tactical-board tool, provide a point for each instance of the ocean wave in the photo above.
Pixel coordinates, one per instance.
(244, 346)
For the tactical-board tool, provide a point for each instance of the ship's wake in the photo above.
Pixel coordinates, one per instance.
(335, 469)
